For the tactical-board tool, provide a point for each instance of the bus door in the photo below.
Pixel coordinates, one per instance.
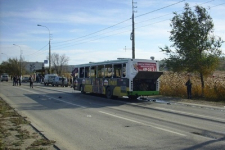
(97, 85)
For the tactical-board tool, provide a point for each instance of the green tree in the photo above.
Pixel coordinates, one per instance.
(12, 66)
(194, 48)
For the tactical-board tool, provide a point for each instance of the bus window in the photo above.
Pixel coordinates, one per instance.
(117, 70)
(86, 72)
(108, 71)
(101, 72)
(93, 72)
(81, 72)
(124, 70)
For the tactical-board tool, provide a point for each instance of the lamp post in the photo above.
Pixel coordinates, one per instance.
(49, 48)
(20, 59)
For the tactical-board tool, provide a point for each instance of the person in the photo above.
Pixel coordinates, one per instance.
(14, 80)
(19, 79)
(62, 81)
(31, 81)
(71, 82)
(188, 84)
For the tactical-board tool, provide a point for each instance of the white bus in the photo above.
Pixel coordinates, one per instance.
(118, 78)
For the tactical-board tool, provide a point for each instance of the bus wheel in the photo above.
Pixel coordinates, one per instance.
(109, 93)
(82, 89)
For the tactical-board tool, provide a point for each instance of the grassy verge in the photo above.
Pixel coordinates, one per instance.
(16, 133)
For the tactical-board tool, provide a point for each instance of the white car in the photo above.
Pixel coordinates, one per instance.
(4, 78)
(58, 81)
(49, 78)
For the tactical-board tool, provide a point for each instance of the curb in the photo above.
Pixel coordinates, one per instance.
(170, 100)
(201, 106)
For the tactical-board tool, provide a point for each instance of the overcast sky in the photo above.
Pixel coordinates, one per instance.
(93, 30)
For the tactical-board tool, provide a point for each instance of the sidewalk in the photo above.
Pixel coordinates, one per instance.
(188, 102)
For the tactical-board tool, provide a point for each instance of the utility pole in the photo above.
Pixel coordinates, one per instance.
(49, 47)
(132, 35)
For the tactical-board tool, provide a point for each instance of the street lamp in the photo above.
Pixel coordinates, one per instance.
(49, 48)
(20, 59)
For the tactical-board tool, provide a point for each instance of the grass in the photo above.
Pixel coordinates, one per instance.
(16, 132)
(173, 84)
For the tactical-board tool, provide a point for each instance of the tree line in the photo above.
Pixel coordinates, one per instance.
(14, 66)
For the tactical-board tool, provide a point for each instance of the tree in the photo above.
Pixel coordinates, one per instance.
(195, 48)
(59, 63)
(12, 66)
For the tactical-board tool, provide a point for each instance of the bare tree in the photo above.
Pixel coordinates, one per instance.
(59, 62)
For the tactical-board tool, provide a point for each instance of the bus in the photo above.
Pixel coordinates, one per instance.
(118, 78)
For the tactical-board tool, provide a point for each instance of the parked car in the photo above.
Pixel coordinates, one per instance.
(49, 78)
(25, 79)
(58, 81)
(4, 78)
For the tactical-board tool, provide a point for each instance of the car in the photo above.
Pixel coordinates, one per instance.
(58, 81)
(49, 78)
(4, 78)
(25, 79)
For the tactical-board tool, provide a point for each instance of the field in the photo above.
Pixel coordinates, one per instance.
(173, 84)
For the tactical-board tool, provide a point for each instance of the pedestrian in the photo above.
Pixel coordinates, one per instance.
(19, 79)
(71, 82)
(188, 84)
(62, 81)
(31, 79)
(14, 80)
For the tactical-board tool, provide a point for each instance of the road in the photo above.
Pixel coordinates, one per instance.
(87, 122)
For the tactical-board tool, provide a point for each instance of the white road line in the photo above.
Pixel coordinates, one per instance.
(153, 126)
(192, 114)
(53, 98)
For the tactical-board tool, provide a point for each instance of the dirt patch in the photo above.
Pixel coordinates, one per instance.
(16, 133)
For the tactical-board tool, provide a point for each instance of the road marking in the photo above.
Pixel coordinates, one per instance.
(153, 126)
(192, 114)
(54, 98)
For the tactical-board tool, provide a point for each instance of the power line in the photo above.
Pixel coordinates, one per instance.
(83, 40)
(159, 9)
(94, 32)
(37, 50)
(121, 28)
(118, 23)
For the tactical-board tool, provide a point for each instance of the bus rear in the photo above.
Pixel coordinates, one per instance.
(143, 78)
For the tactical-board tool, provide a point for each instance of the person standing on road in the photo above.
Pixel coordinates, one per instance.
(62, 81)
(188, 84)
(19, 79)
(14, 80)
(31, 81)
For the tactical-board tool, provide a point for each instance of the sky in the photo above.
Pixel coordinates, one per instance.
(93, 30)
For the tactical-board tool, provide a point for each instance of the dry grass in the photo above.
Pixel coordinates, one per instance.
(16, 132)
(173, 84)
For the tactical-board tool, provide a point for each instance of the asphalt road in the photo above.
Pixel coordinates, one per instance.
(88, 122)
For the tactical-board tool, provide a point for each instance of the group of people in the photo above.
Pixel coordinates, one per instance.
(17, 81)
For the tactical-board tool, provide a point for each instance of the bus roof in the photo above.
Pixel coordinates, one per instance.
(118, 61)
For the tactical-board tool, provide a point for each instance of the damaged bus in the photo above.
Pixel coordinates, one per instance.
(118, 78)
